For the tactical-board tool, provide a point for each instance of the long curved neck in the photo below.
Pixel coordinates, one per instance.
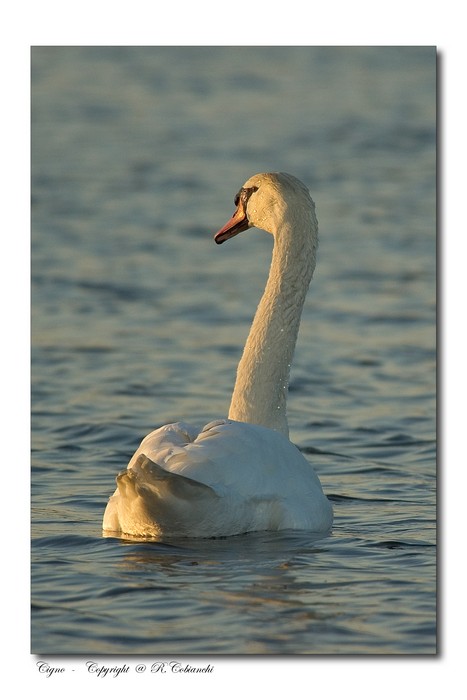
(260, 393)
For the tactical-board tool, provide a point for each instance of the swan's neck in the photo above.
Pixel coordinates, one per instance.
(260, 393)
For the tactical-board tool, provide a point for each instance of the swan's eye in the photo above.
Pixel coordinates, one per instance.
(244, 195)
(247, 192)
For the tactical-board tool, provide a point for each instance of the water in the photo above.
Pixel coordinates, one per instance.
(139, 319)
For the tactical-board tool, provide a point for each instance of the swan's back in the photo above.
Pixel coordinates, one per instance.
(227, 479)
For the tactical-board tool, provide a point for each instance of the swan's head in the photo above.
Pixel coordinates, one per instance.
(265, 201)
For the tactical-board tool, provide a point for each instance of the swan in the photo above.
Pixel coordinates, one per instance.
(239, 474)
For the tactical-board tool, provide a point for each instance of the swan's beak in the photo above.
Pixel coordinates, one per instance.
(235, 225)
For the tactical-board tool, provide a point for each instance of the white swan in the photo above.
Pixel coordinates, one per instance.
(241, 474)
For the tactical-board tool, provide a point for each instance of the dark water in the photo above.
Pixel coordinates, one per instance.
(139, 319)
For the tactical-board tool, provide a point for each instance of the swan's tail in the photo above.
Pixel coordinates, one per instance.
(151, 501)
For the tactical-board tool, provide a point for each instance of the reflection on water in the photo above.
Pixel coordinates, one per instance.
(139, 320)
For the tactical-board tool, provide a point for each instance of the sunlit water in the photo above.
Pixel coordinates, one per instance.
(139, 319)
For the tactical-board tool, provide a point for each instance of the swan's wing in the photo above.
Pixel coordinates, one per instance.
(229, 457)
(146, 477)
(150, 500)
(183, 450)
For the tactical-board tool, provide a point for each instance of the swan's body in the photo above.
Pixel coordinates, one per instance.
(241, 474)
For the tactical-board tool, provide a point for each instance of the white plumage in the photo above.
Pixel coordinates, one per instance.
(241, 474)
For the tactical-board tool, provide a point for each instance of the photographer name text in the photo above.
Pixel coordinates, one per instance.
(104, 671)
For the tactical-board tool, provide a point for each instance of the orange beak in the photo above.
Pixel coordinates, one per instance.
(235, 225)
